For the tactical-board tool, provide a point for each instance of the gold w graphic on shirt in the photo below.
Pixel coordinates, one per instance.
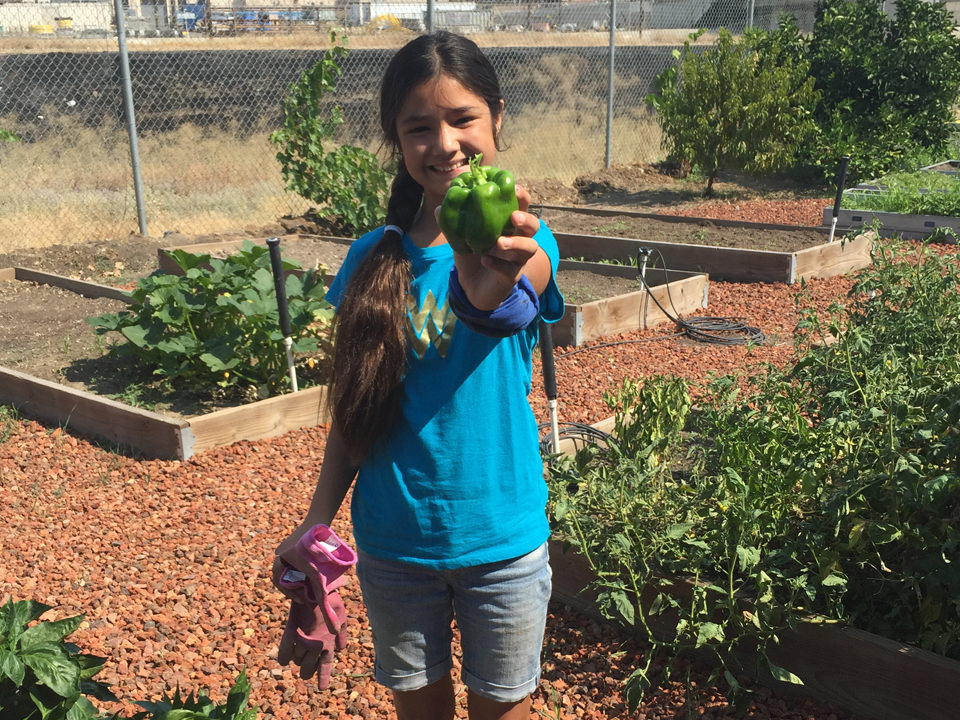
(428, 324)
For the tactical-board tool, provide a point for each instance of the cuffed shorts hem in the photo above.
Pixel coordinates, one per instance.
(416, 680)
(500, 693)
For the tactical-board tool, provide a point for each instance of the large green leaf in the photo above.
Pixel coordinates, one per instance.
(49, 632)
(82, 709)
(54, 668)
(11, 666)
(14, 617)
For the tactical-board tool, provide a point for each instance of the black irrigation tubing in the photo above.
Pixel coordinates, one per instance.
(580, 434)
(716, 330)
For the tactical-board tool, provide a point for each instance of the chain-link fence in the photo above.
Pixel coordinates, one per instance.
(208, 85)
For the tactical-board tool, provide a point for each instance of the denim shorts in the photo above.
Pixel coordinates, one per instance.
(500, 610)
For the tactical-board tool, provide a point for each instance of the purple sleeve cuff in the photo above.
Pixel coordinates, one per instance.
(515, 313)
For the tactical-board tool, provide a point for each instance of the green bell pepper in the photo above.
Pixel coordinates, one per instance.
(477, 207)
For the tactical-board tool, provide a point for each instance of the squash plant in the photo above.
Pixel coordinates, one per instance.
(41, 676)
(217, 325)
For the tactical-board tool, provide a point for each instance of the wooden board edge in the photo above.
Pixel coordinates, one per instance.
(80, 287)
(721, 263)
(265, 418)
(152, 434)
(640, 310)
(836, 258)
(866, 674)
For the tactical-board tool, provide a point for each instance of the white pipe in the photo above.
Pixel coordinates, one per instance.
(288, 346)
(554, 426)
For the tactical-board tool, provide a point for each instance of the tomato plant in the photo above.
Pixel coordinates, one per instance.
(830, 488)
(347, 182)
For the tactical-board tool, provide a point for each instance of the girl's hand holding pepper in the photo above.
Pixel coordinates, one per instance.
(488, 279)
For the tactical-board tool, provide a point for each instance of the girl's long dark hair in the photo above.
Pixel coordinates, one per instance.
(370, 351)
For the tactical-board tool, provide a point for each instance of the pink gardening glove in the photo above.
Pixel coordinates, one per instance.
(324, 559)
(317, 624)
(310, 642)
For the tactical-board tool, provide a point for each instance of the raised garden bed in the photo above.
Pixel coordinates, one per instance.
(679, 292)
(602, 298)
(890, 224)
(607, 301)
(152, 433)
(883, 204)
(860, 672)
(727, 250)
(947, 167)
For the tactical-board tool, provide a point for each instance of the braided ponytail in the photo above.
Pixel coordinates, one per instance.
(369, 356)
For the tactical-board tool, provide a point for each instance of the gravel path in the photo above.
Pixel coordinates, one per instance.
(170, 560)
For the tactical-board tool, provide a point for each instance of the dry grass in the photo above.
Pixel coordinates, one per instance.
(357, 39)
(76, 184)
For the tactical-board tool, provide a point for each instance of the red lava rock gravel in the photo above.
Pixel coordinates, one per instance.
(803, 211)
(170, 561)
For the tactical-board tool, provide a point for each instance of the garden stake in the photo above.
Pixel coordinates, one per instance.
(841, 181)
(550, 382)
(643, 256)
(280, 284)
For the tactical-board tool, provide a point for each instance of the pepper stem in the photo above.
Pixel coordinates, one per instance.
(479, 174)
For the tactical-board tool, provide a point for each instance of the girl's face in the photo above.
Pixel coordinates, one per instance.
(441, 125)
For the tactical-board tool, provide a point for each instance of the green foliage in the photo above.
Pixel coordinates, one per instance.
(829, 489)
(41, 676)
(8, 423)
(740, 104)
(8, 136)
(200, 707)
(888, 85)
(217, 324)
(916, 193)
(887, 402)
(347, 182)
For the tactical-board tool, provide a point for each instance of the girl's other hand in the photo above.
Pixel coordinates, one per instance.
(287, 557)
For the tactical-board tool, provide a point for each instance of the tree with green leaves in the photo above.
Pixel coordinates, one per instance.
(888, 85)
(730, 106)
(347, 182)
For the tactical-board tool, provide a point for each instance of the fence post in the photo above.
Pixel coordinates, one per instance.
(128, 112)
(613, 45)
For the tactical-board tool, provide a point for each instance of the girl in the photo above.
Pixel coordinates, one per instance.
(430, 411)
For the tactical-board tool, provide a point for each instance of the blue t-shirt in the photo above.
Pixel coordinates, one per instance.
(459, 481)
